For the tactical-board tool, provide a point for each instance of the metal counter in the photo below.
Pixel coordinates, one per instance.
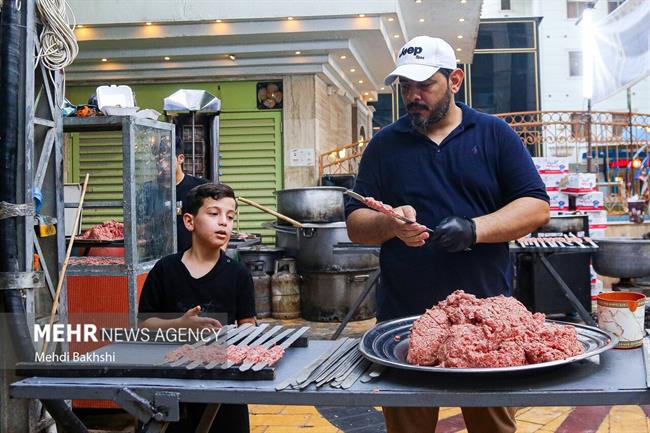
(616, 377)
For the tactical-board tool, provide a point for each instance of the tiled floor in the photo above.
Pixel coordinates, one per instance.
(614, 419)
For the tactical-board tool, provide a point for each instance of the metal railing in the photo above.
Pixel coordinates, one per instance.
(568, 133)
(342, 160)
(619, 143)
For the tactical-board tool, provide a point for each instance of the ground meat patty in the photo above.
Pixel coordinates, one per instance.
(260, 354)
(237, 354)
(202, 353)
(466, 332)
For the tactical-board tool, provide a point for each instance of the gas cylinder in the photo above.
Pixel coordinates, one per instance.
(285, 290)
(262, 283)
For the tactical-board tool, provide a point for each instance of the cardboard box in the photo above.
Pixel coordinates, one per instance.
(559, 201)
(551, 165)
(597, 233)
(590, 201)
(553, 180)
(557, 165)
(597, 219)
(579, 183)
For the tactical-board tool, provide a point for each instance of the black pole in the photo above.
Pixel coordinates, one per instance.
(12, 59)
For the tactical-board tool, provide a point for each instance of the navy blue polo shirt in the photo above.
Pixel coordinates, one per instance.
(477, 169)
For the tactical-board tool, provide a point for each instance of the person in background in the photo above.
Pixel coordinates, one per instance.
(464, 173)
(184, 183)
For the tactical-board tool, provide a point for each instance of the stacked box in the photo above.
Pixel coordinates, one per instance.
(551, 165)
(553, 180)
(579, 183)
(558, 201)
(597, 219)
(591, 201)
(596, 283)
(597, 233)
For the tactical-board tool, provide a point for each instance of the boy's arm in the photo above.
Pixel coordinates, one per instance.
(190, 319)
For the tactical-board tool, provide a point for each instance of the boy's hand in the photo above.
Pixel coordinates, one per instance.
(191, 319)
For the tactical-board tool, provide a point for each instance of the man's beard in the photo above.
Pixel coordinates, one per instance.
(438, 112)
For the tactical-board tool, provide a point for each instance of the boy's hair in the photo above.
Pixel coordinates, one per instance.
(195, 197)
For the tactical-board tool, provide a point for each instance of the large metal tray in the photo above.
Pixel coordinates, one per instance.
(380, 345)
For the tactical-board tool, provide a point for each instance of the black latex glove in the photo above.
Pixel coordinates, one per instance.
(455, 234)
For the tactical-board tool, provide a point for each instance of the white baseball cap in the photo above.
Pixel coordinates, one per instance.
(421, 57)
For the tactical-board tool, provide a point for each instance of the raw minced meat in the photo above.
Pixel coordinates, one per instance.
(107, 231)
(466, 332)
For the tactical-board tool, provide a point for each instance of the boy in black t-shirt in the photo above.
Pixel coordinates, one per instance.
(202, 279)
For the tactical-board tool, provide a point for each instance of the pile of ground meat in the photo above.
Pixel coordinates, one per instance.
(107, 231)
(466, 332)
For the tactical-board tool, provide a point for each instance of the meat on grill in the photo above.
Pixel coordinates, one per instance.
(466, 332)
(107, 231)
(234, 354)
(260, 354)
(201, 354)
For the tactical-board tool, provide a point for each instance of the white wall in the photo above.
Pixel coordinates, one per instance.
(557, 36)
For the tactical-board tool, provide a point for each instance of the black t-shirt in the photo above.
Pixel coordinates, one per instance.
(183, 236)
(170, 288)
(477, 169)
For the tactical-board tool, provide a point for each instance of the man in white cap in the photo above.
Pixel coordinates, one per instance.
(465, 173)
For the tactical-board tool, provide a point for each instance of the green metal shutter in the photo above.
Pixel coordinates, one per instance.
(100, 154)
(250, 161)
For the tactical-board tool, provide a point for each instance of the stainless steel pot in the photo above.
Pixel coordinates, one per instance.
(566, 224)
(622, 257)
(313, 247)
(261, 253)
(327, 297)
(321, 204)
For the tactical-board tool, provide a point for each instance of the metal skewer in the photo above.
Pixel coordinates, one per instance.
(285, 345)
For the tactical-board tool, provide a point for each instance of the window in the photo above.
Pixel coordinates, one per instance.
(493, 35)
(503, 82)
(574, 8)
(575, 64)
(505, 5)
(613, 4)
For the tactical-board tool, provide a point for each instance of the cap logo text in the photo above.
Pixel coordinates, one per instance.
(411, 50)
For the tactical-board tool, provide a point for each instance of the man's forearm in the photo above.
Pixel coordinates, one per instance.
(366, 226)
(512, 221)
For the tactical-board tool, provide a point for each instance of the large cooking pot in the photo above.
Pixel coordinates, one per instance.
(622, 257)
(566, 224)
(261, 253)
(327, 296)
(321, 204)
(312, 246)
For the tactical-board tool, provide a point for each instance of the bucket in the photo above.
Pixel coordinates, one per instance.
(622, 314)
(636, 210)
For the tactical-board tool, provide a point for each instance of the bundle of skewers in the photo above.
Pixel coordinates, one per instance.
(565, 241)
